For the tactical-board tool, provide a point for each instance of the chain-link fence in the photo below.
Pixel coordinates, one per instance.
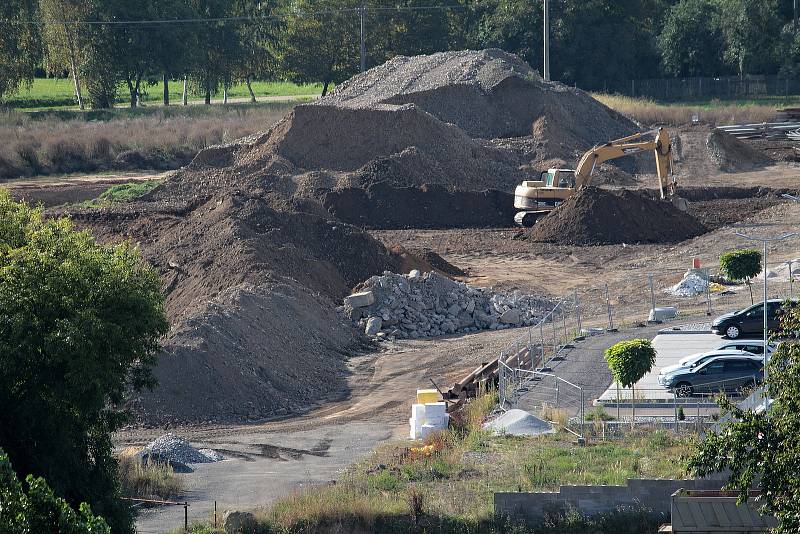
(689, 298)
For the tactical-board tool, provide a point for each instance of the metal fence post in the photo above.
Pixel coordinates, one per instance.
(675, 405)
(708, 290)
(553, 324)
(652, 296)
(186, 516)
(564, 320)
(791, 280)
(557, 392)
(608, 307)
(583, 419)
(577, 314)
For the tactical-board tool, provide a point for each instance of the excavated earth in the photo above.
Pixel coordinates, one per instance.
(596, 216)
(259, 240)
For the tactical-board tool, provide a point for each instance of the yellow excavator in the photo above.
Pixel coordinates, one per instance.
(536, 198)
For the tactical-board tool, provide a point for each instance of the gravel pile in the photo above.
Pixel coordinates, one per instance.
(519, 423)
(428, 305)
(693, 284)
(172, 448)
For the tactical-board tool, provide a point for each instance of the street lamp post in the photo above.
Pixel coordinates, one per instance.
(546, 51)
(766, 241)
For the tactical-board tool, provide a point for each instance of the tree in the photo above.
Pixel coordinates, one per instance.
(65, 42)
(38, 509)
(741, 265)
(690, 42)
(80, 325)
(629, 361)
(19, 45)
(760, 448)
(751, 30)
(219, 51)
(259, 39)
(321, 47)
(514, 26)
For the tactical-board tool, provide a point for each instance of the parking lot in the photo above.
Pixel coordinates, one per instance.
(670, 347)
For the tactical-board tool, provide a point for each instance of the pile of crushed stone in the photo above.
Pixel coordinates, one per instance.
(428, 305)
(172, 448)
(694, 283)
(517, 422)
(733, 155)
(595, 216)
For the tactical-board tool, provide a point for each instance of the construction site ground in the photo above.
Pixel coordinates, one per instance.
(270, 460)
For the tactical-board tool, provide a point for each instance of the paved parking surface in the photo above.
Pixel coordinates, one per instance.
(670, 348)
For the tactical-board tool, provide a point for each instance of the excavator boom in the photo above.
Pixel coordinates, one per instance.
(556, 185)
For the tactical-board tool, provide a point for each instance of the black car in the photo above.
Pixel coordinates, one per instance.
(718, 375)
(750, 320)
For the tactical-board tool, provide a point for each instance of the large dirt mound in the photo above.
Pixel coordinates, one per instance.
(595, 216)
(250, 294)
(732, 155)
(413, 121)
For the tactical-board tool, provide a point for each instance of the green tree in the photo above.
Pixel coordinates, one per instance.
(20, 50)
(741, 265)
(321, 42)
(751, 30)
(80, 325)
(259, 40)
(219, 50)
(514, 26)
(690, 42)
(38, 509)
(760, 448)
(65, 43)
(629, 361)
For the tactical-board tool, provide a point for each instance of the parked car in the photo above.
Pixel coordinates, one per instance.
(755, 346)
(722, 374)
(749, 320)
(694, 360)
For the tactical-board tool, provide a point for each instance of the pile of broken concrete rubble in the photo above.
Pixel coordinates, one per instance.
(426, 305)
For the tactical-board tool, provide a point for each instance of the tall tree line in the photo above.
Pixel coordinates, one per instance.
(592, 41)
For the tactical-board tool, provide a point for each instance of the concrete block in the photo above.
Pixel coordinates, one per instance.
(374, 325)
(359, 300)
(663, 314)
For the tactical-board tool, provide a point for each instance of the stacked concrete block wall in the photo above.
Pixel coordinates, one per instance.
(649, 494)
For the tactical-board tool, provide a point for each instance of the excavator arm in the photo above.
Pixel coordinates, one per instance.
(627, 146)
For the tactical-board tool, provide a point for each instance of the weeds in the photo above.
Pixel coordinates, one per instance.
(148, 480)
(649, 112)
(159, 140)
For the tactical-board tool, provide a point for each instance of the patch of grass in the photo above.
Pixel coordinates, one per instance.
(447, 483)
(58, 93)
(149, 480)
(714, 112)
(126, 192)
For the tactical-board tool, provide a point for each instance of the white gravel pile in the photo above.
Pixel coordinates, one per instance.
(428, 305)
(172, 448)
(692, 285)
(519, 423)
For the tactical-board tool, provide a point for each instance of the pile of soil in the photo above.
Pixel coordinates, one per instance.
(250, 295)
(595, 216)
(733, 155)
(381, 206)
(468, 120)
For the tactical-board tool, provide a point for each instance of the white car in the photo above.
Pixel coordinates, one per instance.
(756, 346)
(694, 360)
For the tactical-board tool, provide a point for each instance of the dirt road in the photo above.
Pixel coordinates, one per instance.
(271, 460)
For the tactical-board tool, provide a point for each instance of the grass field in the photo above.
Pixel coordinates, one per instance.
(715, 112)
(49, 93)
(447, 483)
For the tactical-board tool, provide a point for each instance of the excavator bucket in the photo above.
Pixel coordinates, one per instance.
(680, 203)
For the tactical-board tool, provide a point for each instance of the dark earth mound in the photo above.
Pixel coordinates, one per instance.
(595, 216)
(381, 206)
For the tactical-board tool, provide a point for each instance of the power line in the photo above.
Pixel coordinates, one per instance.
(231, 19)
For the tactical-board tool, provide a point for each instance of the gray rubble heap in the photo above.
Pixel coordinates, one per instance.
(172, 448)
(427, 305)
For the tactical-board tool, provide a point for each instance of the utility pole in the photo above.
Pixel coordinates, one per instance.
(547, 40)
(766, 241)
(363, 48)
